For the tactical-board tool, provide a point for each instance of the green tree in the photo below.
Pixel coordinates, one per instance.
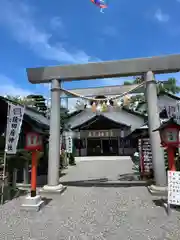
(21, 100)
(170, 86)
(64, 117)
(39, 102)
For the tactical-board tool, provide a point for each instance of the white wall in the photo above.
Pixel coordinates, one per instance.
(162, 102)
(165, 101)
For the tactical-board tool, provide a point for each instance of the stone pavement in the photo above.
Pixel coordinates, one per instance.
(87, 213)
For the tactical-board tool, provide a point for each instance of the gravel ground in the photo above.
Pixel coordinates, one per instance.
(87, 213)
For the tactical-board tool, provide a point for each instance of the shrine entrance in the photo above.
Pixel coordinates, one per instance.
(94, 147)
(102, 147)
(100, 136)
(147, 67)
(110, 147)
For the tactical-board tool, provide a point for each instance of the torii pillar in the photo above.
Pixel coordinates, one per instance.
(154, 123)
(53, 184)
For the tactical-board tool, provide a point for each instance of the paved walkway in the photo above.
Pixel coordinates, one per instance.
(87, 213)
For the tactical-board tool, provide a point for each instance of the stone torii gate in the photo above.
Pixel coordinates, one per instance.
(122, 68)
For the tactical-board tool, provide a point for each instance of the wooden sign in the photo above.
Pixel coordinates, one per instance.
(101, 133)
(174, 187)
(145, 155)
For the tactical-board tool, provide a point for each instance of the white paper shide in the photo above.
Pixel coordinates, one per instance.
(174, 187)
(14, 122)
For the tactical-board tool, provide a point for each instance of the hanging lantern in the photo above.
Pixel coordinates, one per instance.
(104, 107)
(108, 103)
(94, 107)
(99, 108)
(126, 100)
(118, 103)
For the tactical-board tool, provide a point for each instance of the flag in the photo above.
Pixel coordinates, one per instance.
(14, 123)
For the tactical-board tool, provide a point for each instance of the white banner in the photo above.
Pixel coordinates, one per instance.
(174, 111)
(69, 144)
(14, 122)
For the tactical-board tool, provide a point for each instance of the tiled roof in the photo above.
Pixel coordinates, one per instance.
(38, 117)
(81, 118)
(118, 117)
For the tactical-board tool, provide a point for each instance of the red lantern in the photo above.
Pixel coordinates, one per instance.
(169, 134)
(34, 144)
(33, 141)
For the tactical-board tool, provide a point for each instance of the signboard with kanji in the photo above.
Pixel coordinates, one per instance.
(145, 155)
(33, 141)
(69, 144)
(101, 133)
(14, 122)
(174, 187)
(172, 135)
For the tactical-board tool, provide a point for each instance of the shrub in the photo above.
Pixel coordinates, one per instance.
(71, 159)
(62, 159)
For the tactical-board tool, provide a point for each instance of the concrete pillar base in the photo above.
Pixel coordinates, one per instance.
(157, 190)
(32, 203)
(23, 186)
(53, 189)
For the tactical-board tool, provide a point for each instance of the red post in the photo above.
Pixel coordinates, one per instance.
(34, 174)
(171, 160)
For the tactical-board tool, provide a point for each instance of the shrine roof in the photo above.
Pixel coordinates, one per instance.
(124, 117)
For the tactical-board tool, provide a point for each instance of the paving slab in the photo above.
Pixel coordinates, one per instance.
(88, 213)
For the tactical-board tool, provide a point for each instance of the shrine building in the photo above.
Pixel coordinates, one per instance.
(107, 132)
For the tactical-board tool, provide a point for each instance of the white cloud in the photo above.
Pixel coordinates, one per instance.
(160, 16)
(19, 19)
(8, 87)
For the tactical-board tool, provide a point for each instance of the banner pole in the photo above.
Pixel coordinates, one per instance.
(3, 178)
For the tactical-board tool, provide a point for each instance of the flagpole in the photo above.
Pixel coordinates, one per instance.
(4, 172)
(5, 158)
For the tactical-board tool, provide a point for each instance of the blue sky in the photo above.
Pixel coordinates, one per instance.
(43, 32)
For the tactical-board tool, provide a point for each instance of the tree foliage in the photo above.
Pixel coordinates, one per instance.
(39, 103)
(64, 118)
(170, 86)
(21, 100)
